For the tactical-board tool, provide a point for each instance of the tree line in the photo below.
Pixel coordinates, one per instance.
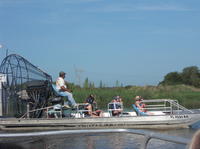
(175, 85)
(188, 76)
(89, 84)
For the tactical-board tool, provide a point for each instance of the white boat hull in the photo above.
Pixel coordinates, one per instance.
(155, 121)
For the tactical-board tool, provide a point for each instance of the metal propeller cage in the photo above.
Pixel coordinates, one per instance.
(24, 83)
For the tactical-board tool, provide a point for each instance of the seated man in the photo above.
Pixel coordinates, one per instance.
(63, 90)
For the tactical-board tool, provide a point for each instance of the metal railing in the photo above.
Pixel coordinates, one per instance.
(55, 110)
(165, 105)
(27, 114)
(180, 106)
(148, 135)
(115, 106)
(81, 108)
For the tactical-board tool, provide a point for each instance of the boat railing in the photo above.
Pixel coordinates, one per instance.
(148, 135)
(58, 110)
(82, 110)
(165, 105)
(180, 106)
(113, 106)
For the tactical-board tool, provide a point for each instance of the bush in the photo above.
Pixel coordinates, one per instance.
(187, 95)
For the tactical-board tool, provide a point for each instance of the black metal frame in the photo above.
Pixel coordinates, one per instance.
(20, 72)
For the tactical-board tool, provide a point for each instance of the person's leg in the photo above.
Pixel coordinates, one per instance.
(89, 108)
(69, 96)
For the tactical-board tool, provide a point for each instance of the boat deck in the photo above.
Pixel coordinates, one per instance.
(178, 118)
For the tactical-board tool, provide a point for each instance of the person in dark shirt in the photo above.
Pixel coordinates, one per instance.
(90, 99)
(91, 107)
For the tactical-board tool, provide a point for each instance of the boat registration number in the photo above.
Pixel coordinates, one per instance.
(179, 116)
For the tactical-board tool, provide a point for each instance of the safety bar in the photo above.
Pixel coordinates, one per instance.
(81, 108)
(115, 106)
(148, 135)
(28, 111)
(168, 104)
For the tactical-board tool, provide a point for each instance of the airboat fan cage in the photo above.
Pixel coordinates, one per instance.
(19, 73)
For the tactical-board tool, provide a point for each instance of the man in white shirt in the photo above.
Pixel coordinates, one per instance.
(63, 90)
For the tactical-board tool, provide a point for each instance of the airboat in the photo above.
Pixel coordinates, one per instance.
(26, 91)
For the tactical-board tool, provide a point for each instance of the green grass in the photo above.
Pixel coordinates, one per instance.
(186, 95)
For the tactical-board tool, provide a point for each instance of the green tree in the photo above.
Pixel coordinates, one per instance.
(117, 84)
(86, 83)
(91, 85)
(101, 84)
(172, 78)
(121, 85)
(191, 76)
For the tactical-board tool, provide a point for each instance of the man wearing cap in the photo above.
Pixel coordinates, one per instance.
(63, 90)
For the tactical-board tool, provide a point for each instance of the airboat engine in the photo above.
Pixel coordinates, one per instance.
(39, 92)
(25, 84)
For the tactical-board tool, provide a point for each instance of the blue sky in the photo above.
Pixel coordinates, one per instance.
(136, 42)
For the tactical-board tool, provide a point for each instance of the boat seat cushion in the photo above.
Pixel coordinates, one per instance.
(56, 91)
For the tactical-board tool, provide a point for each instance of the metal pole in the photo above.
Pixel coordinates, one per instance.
(6, 52)
(28, 108)
(1, 100)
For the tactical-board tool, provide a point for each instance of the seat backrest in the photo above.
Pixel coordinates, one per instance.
(115, 106)
(55, 90)
(57, 107)
(136, 109)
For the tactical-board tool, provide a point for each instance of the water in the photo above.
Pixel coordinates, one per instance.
(94, 141)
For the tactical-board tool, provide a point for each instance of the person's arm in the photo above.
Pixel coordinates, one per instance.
(138, 105)
(144, 107)
(62, 88)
